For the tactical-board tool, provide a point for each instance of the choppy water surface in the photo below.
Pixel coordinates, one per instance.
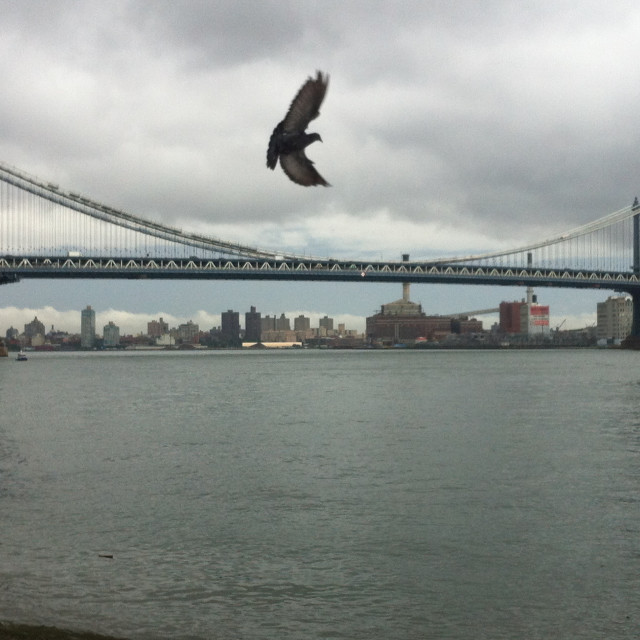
(323, 495)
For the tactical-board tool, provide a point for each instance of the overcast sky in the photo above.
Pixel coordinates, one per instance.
(449, 127)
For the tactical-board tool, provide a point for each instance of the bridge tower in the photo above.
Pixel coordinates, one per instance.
(633, 341)
(406, 286)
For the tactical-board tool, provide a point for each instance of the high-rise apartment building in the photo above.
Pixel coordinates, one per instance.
(88, 328)
(326, 323)
(282, 323)
(189, 333)
(230, 324)
(301, 323)
(34, 328)
(111, 335)
(268, 323)
(157, 328)
(252, 325)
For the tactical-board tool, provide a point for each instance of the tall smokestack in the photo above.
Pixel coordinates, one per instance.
(405, 285)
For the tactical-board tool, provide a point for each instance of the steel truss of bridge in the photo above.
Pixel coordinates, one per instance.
(13, 269)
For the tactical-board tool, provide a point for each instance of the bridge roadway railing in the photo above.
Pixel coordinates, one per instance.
(13, 268)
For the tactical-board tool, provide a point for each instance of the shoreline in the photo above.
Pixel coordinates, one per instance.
(17, 631)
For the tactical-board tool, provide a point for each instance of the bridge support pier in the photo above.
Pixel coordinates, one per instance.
(632, 341)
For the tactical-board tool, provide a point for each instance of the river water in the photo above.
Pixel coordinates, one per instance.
(311, 494)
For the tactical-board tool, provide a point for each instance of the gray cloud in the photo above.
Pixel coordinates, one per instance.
(510, 120)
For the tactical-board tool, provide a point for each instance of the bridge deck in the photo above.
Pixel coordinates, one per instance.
(13, 268)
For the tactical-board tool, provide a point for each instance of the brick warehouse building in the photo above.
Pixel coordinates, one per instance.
(524, 317)
(404, 321)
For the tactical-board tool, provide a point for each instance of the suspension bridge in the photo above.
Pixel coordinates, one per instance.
(47, 232)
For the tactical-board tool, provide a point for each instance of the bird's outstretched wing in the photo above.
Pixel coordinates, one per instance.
(301, 170)
(289, 140)
(272, 149)
(306, 105)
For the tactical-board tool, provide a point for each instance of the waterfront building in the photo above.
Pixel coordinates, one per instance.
(283, 323)
(465, 324)
(510, 316)
(252, 325)
(38, 340)
(188, 333)
(111, 335)
(525, 317)
(33, 329)
(404, 321)
(536, 319)
(268, 323)
(12, 334)
(301, 323)
(88, 328)
(401, 321)
(165, 340)
(279, 335)
(230, 325)
(614, 318)
(302, 328)
(157, 328)
(326, 323)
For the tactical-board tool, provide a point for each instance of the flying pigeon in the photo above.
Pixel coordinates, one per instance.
(288, 140)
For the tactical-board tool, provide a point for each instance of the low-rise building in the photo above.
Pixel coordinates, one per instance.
(165, 340)
(279, 335)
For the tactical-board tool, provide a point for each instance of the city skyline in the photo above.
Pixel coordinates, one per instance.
(132, 323)
(402, 320)
(94, 320)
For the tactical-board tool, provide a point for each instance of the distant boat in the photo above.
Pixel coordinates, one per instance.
(21, 357)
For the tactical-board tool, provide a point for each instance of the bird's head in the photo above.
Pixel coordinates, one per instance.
(314, 136)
